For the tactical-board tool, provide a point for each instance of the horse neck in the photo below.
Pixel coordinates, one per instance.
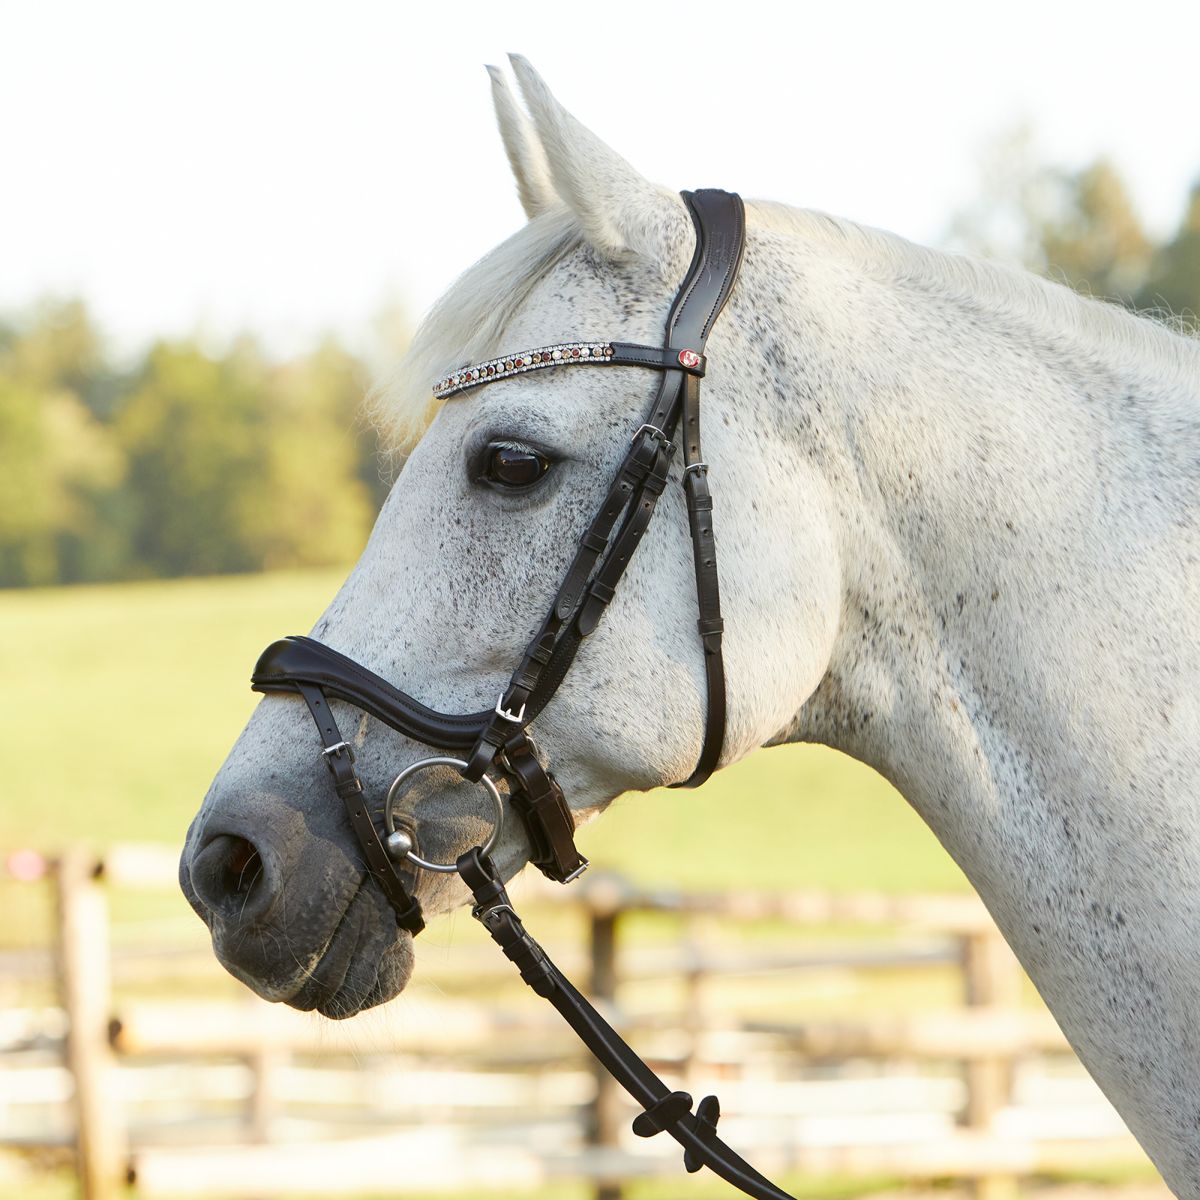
(1018, 654)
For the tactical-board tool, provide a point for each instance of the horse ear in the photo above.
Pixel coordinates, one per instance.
(621, 212)
(525, 153)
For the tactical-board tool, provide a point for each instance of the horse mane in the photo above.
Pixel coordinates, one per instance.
(467, 323)
(1008, 292)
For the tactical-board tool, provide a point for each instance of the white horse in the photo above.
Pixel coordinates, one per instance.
(958, 532)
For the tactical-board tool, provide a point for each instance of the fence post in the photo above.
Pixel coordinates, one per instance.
(605, 1112)
(86, 992)
(693, 1019)
(262, 1107)
(991, 977)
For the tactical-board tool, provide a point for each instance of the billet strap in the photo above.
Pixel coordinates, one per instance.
(720, 221)
(590, 584)
(664, 1110)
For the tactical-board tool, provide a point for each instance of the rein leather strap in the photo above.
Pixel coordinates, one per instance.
(664, 1110)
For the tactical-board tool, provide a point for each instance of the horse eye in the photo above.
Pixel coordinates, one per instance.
(509, 467)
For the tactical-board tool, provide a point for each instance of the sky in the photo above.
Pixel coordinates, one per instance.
(296, 168)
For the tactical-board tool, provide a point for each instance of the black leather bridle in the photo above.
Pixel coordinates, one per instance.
(497, 741)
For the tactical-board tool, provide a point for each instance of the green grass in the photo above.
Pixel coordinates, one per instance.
(125, 699)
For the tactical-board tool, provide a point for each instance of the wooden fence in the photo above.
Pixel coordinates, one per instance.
(914, 1094)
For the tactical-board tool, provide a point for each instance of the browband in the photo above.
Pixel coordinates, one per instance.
(567, 354)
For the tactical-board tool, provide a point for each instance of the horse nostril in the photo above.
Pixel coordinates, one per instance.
(230, 878)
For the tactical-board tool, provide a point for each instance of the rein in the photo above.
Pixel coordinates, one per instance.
(497, 740)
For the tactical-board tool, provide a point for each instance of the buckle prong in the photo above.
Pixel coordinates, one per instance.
(501, 711)
(668, 445)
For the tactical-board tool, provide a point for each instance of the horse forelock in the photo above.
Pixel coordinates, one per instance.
(466, 324)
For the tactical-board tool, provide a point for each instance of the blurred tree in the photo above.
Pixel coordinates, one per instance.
(1173, 282)
(314, 507)
(1015, 197)
(192, 463)
(192, 430)
(1096, 240)
(1077, 226)
(60, 470)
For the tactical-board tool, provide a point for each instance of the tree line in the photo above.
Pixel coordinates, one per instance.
(188, 462)
(1081, 227)
(194, 462)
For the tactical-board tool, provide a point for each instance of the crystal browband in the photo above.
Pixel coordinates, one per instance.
(566, 354)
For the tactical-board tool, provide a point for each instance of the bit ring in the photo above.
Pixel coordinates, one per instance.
(389, 811)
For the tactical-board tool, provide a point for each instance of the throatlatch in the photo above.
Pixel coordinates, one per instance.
(496, 741)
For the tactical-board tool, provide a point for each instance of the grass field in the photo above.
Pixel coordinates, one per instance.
(125, 699)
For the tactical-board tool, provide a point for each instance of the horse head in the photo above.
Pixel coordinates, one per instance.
(474, 539)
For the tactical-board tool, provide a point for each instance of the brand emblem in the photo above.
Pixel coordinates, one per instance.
(689, 359)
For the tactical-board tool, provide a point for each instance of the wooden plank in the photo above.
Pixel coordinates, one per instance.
(448, 1028)
(430, 1160)
(423, 1160)
(948, 1033)
(247, 1028)
(139, 865)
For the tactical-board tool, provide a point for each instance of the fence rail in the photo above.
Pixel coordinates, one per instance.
(444, 1092)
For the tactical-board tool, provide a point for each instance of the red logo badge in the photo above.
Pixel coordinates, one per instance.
(689, 359)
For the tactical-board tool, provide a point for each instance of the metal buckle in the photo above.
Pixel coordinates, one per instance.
(575, 874)
(501, 711)
(337, 748)
(481, 913)
(697, 466)
(501, 758)
(668, 445)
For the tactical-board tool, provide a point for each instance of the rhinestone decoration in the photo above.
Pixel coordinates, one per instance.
(564, 354)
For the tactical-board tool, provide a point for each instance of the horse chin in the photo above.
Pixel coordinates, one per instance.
(366, 962)
(368, 983)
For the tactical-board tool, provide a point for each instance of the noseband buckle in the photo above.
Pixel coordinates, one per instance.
(516, 718)
(336, 749)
